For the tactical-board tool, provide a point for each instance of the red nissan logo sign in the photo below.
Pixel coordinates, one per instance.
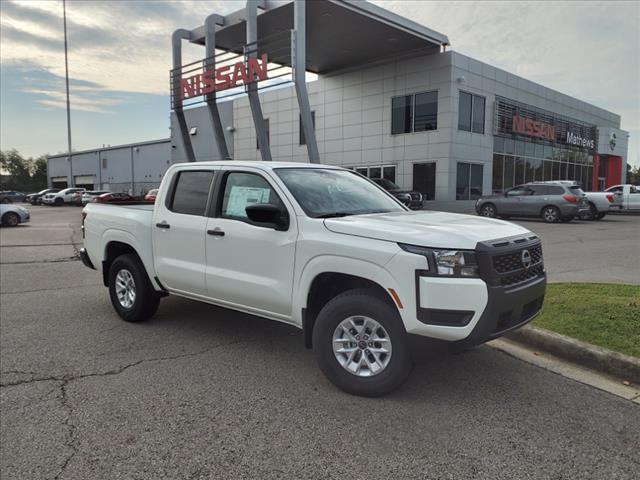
(225, 77)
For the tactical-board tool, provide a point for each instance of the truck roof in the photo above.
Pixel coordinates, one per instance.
(257, 163)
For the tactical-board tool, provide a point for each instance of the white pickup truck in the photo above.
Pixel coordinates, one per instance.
(628, 197)
(373, 285)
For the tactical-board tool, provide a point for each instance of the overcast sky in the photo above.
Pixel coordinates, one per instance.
(120, 56)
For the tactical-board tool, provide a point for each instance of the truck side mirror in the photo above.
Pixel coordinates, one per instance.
(269, 214)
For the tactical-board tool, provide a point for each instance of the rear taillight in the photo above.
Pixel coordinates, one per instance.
(570, 198)
(610, 198)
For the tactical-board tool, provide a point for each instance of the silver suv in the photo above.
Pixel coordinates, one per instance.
(552, 201)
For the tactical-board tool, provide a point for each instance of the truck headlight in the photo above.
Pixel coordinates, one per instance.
(447, 263)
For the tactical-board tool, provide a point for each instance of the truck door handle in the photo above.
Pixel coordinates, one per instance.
(163, 225)
(217, 232)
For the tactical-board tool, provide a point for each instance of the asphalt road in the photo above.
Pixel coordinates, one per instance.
(201, 392)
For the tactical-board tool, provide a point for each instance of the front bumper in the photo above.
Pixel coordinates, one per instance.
(507, 296)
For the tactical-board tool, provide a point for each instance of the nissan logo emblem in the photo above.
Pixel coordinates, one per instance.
(526, 259)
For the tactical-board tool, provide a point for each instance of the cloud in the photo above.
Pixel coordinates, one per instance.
(585, 49)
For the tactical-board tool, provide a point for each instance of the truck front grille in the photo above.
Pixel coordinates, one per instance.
(512, 262)
(522, 276)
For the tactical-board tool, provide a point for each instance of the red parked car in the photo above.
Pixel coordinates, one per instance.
(151, 195)
(115, 197)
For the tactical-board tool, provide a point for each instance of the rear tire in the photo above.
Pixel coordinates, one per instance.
(132, 295)
(489, 210)
(601, 215)
(550, 214)
(10, 219)
(378, 328)
(6, 200)
(593, 212)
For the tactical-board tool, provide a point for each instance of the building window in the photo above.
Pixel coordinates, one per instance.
(388, 172)
(266, 127)
(414, 113)
(468, 181)
(471, 113)
(303, 141)
(104, 162)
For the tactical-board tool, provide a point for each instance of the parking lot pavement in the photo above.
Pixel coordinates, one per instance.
(606, 251)
(203, 392)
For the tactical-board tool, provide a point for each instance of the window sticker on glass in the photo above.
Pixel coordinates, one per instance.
(240, 197)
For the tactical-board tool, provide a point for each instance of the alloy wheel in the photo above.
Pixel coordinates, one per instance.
(362, 346)
(125, 288)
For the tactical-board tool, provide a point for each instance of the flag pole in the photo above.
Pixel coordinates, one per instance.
(66, 75)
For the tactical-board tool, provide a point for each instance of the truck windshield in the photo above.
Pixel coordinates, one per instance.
(324, 193)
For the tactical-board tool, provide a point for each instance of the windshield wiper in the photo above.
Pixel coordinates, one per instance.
(334, 215)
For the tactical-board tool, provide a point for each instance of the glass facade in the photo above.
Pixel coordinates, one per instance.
(517, 161)
(468, 181)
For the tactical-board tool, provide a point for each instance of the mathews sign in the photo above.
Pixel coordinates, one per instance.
(224, 77)
(521, 120)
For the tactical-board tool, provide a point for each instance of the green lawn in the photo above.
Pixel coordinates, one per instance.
(601, 314)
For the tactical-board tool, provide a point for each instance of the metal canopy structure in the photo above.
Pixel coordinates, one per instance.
(326, 36)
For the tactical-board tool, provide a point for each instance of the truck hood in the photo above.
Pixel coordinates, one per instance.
(426, 228)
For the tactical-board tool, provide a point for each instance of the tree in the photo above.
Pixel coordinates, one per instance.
(22, 174)
(633, 175)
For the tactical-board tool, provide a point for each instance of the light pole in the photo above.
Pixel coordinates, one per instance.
(66, 75)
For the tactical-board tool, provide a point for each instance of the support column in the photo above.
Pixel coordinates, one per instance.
(210, 65)
(252, 88)
(299, 63)
(176, 45)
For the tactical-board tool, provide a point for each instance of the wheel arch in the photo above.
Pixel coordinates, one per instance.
(328, 285)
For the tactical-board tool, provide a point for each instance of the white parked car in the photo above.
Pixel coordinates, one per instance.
(13, 215)
(65, 196)
(373, 285)
(629, 197)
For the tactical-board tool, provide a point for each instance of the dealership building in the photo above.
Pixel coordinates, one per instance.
(388, 98)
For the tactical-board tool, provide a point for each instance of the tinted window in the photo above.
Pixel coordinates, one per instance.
(539, 189)
(401, 114)
(555, 190)
(191, 192)
(478, 114)
(426, 111)
(244, 189)
(468, 181)
(464, 112)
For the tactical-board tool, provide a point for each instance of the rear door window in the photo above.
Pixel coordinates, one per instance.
(555, 190)
(191, 192)
(539, 190)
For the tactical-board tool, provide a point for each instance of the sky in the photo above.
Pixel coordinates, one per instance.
(120, 57)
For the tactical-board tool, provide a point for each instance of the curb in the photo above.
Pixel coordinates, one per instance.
(591, 356)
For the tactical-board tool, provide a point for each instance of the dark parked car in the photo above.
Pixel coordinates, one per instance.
(36, 198)
(9, 196)
(552, 201)
(410, 198)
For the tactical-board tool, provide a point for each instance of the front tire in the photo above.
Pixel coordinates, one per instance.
(361, 345)
(489, 210)
(550, 214)
(10, 219)
(58, 202)
(132, 295)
